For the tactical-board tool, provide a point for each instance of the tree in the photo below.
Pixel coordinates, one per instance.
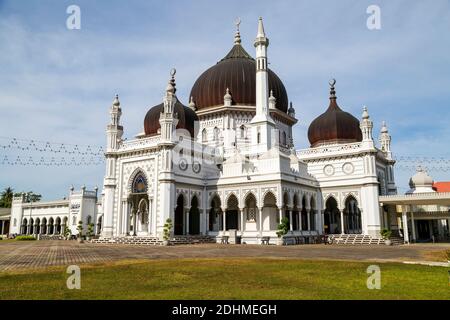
(283, 227)
(80, 229)
(30, 196)
(6, 198)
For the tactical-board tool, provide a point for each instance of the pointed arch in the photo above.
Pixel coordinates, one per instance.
(179, 215)
(136, 177)
(352, 216)
(234, 197)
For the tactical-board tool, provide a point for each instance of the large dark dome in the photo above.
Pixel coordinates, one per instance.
(237, 71)
(186, 118)
(334, 126)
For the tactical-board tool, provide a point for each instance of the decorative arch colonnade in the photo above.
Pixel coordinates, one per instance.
(347, 220)
(44, 226)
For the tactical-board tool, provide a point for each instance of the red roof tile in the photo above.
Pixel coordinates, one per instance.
(442, 186)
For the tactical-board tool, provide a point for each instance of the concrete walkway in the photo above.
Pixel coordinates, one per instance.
(40, 254)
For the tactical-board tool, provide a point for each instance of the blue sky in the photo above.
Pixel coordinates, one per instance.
(57, 84)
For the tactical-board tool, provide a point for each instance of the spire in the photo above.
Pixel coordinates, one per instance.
(384, 128)
(116, 101)
(237, 35)
(192, 104)
(227, 99)
(272, 100)
(171, 86)
(291, 110)
(261, 33)
(365, 114)
(333, 103)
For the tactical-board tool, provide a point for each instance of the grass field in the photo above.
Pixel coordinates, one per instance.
(230, 279)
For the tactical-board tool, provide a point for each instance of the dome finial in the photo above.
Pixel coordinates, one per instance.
(365, 114)
(237, 35)
(116, 101)
(332, 83)
(192, 104)
(384, 128)
(227, 98)
(171, 87)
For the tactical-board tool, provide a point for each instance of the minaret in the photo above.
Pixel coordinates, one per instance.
(168, 118)
(262, 74)
(385, 141)
(262, 123)
(366, 126)
(114, 132)
(166, 179)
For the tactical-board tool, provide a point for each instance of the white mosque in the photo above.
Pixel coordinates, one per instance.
(225, 164)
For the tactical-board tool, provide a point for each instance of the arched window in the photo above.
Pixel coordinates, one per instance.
(204, 135)
(284, 138)
(89, 219)
(74, 220)
(139, 184)
(242, 130)
(15, 222)
(216, 134)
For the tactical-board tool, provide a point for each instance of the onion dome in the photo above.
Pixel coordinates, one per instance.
(236, 71)
(186, 116)
(334, 125)
(421, 182)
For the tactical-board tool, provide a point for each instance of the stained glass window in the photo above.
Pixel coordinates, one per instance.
(140, 184)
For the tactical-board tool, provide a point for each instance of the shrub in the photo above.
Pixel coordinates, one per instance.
(25, 238)
(283, 227)
(167, 227)
(80, 229)
(90, 230)
(386, 234)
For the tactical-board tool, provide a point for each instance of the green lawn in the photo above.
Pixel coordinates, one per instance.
(230, 279)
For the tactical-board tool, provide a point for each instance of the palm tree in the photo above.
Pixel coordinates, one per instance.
(6, 197)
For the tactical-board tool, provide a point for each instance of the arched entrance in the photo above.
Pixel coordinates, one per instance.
(232, 213)
(352, 216)
(37, 226)
(139, 203)
(215, 214)
(51, 226)
(269, 212)
(304, 215)
(31, 227)
(295, 214)
(44, 226)
(332, 217)
(179, 215)
(24, 226)
(194, 217)
(58, 226)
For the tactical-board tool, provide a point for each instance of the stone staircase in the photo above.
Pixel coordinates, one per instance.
(360, 239)
(177, 240)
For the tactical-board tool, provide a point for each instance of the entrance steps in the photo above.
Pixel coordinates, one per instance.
(177, 240)
(357, 239)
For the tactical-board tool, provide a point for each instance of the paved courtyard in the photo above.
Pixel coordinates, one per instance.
(40, 254)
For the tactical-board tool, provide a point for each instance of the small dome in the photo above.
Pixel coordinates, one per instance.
(334, 125)
(186, 118)
(237, 73)
(421, 180)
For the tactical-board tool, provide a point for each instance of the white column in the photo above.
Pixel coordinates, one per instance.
(405, 224)
(342, 221)
(187, 221)
(224, 219)
(3, 226)
(308, 216)
(280, 213)
(290, 221)
(260, 220)
(413, 227)
(242, 220)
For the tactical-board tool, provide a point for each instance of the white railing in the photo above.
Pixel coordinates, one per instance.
(305, 153)
(139, 143)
